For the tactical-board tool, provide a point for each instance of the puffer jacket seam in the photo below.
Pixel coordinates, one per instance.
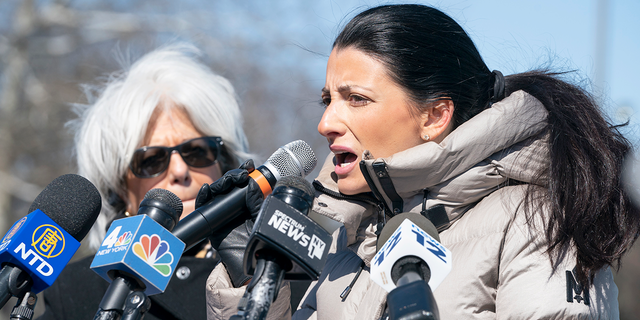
(501, 250)
(477, 237)
(381, 308)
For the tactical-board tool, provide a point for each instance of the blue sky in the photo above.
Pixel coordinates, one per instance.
(515, 36)
(512, 36)
(291, 37)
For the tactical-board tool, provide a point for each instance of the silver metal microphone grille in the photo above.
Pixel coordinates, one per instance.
(293, 159)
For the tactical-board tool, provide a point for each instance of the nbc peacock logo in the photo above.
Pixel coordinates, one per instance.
(124, 239)
(155, 252)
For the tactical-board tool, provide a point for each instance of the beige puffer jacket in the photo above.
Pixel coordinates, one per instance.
(500, 268)
(223, 298)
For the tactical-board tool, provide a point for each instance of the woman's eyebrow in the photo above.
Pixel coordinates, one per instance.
(344, 88)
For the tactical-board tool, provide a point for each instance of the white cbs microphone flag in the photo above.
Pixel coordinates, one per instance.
(410, 240)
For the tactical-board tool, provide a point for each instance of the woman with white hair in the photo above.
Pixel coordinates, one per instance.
(165, 122)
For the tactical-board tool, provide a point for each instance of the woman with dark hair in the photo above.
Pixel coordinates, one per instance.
(520, 175)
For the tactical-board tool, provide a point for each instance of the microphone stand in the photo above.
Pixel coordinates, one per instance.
(264, 286)
(123, 300)
(24, 307)
(16, 283)
(412, 299)
(13, 283)
(138, 303)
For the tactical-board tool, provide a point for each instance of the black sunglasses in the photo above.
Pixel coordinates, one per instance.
(149, 162)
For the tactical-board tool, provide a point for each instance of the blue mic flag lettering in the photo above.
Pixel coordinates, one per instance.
(38, 246)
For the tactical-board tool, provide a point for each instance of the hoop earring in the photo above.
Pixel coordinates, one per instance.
(498, 86)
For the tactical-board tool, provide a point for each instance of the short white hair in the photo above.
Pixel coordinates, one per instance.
(114, 122)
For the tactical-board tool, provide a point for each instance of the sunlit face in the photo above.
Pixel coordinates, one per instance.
(171, 128)
(365, 110)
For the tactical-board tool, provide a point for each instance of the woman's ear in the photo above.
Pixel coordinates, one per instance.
(437, 120)
(129, 209)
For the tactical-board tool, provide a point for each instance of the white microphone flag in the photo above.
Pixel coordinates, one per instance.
(410, 240)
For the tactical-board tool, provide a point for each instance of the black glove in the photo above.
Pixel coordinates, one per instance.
(231, 241)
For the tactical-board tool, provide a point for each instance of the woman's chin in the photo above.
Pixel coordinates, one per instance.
(353, 185)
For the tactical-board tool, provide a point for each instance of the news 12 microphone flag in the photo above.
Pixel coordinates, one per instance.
(38, 246)
(142, 247)
(410, 240)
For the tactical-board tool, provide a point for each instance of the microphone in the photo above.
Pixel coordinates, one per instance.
(410, 262)
(284, 243)
(283, 225)
(139, 254)
(293, 159)
(39, 246)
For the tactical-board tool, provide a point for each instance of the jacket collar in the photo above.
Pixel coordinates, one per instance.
(506, 141)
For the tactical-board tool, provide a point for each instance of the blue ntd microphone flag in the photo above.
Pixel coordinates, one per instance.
(141, 247)
(38, 246)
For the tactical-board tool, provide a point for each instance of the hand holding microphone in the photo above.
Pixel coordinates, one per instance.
(409, 263)
(223, 208)
(230, 240)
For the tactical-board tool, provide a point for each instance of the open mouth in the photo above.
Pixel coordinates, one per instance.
(344, 159)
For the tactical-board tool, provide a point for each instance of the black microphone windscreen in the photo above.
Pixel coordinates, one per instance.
(296, 192)
(296, 182)
(393, 224)
(167, 197)
(163, 206)
(71, 201)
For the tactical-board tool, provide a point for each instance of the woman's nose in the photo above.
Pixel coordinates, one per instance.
(178, 169)
(331, 124)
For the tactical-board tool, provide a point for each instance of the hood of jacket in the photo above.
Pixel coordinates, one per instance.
(507, 142)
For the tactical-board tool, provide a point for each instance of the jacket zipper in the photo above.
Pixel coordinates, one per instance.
(364, 198)
(361, 197)
(374, 190)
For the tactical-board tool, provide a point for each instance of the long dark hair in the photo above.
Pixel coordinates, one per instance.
(428, 54)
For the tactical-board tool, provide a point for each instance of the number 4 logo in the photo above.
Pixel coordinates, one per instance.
(111, 239)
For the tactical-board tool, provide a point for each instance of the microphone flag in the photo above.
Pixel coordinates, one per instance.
(410, 240)
(141, 247)
(283, 228)
(40, 247)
